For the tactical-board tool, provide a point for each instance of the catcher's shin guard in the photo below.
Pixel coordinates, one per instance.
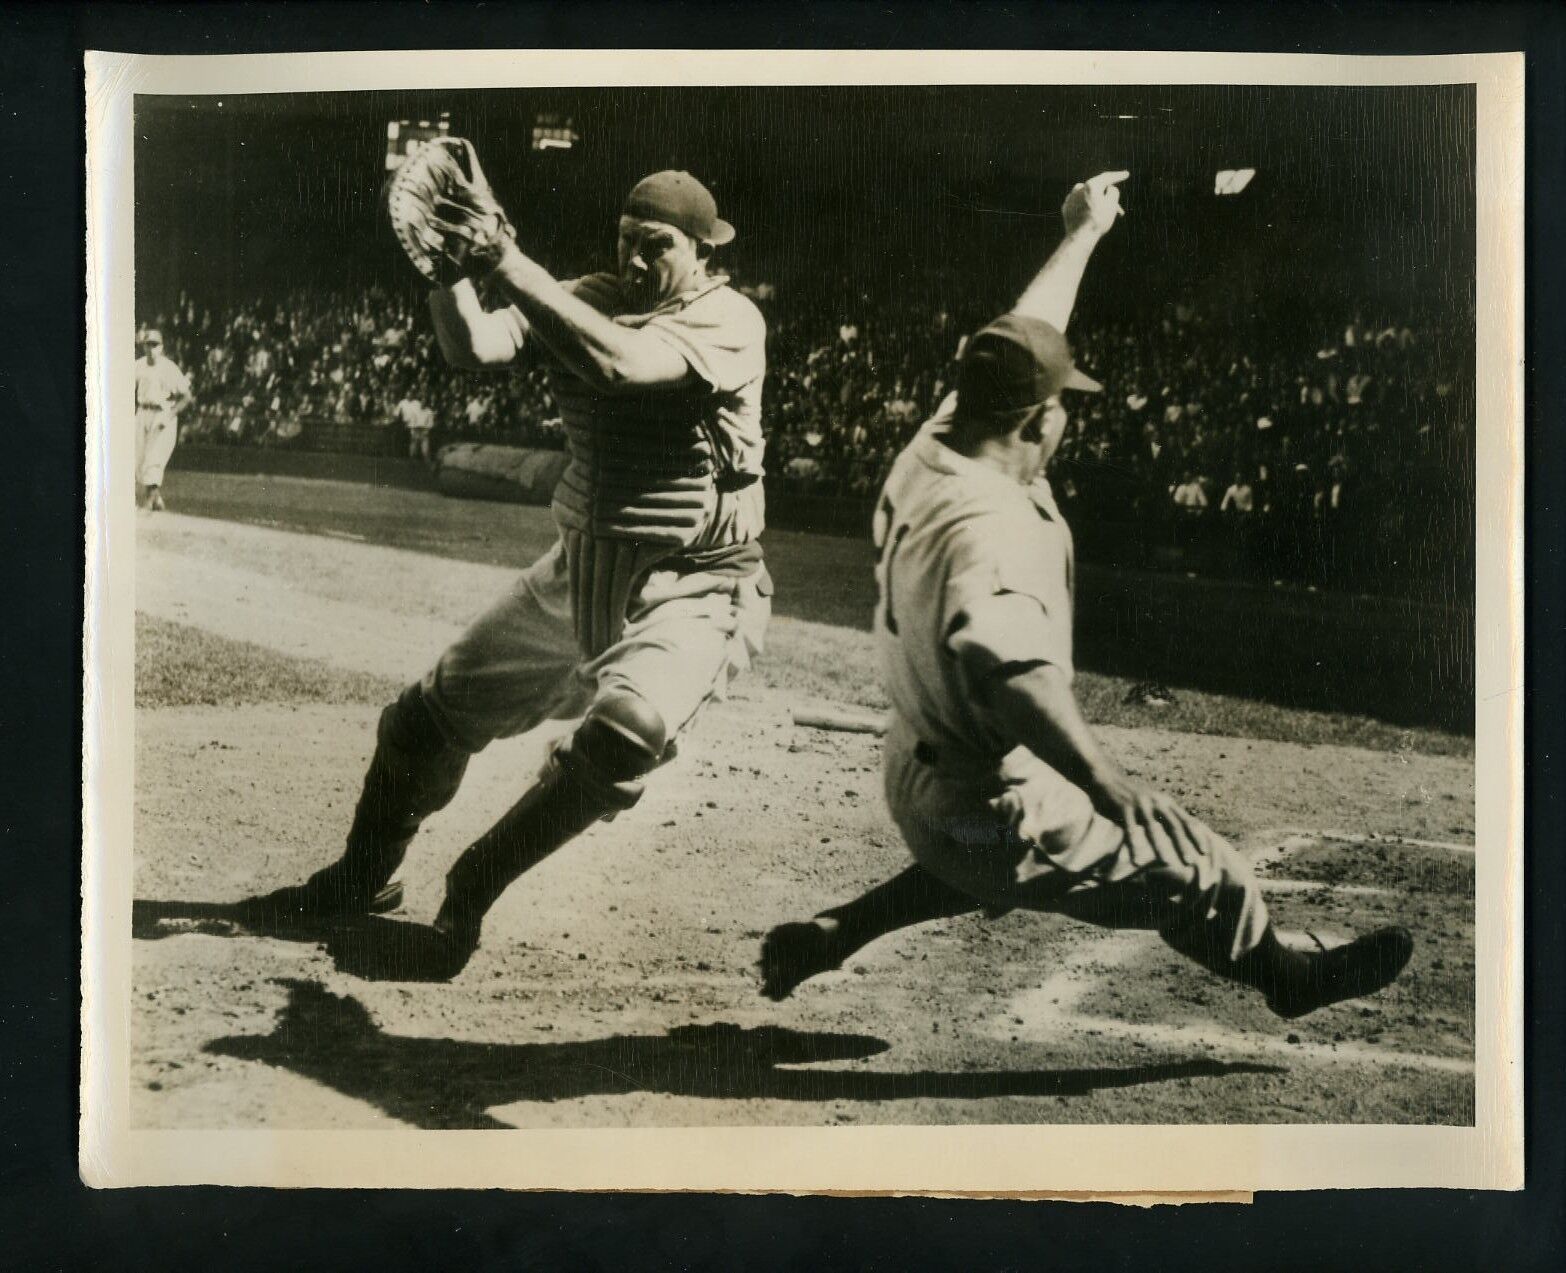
(594, 775)
(414, 772)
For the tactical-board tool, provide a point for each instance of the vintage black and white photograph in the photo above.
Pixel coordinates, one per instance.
(808, 605)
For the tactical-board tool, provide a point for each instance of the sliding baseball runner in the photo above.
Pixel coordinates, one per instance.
(1003, 795)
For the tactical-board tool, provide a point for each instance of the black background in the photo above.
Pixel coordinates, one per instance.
(50, 1221)
(905, 189)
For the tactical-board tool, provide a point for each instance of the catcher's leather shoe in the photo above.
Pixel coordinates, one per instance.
(459, 927)
(794, 953)
(1359, 968)
(323, 897)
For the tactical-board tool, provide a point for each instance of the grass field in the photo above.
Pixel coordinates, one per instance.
(178, 665)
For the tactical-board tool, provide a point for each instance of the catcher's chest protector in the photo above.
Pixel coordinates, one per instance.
(642, 466)
(651, 475)
(640, 487)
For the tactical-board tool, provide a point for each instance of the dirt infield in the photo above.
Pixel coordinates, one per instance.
(615, 985)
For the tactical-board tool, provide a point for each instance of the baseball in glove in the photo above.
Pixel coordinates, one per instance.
(444, 213)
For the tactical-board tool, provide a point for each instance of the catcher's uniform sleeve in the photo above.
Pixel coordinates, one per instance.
(600, 290)
(589, 288)
(722, 335)
(512, 323)
(515, 326)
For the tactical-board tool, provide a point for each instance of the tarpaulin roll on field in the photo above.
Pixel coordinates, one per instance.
(518, 475)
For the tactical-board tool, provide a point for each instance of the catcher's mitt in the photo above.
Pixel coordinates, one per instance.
(444, 213)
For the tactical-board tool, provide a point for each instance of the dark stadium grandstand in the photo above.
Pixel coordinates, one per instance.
(1288, 369)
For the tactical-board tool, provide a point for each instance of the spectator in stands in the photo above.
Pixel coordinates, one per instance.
(1239, 500)
(1190, 505)
(259, 364)
(1189, 497)
(477, 411)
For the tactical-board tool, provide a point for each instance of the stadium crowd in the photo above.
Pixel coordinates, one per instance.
(267, 370)
(1218, 443)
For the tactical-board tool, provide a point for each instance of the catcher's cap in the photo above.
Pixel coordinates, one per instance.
(152, 336)
(1013, 365)
(678, 199)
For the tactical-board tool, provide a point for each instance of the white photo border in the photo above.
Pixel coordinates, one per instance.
(990, 1160)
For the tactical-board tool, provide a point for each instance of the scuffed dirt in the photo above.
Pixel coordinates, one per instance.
(615, 986)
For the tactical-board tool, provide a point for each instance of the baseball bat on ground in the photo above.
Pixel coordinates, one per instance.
(840, 719)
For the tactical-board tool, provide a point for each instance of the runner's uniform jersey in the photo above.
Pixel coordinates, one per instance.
(959, 546)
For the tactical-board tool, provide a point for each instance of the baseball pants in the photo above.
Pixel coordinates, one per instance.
(1022, 836)
(156, 433)
(686, 637)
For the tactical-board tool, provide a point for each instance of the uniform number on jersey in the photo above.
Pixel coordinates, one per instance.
(887, 539)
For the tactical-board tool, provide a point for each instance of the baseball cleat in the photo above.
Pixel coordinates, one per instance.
(459, 929)
(156, 503)
(1351, 971)
(794, 953)
(318, 899)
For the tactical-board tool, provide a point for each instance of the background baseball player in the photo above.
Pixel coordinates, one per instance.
(162, 392)
(654, 594)
(1001, 792)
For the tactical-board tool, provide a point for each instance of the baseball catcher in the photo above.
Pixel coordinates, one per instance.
(999, 788)
(654, 594)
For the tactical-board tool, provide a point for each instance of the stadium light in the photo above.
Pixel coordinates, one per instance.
(404, 136)
(554, 132)
(1232, 180)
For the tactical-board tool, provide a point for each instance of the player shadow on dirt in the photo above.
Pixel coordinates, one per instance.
(443, 1084)
(371, 947)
